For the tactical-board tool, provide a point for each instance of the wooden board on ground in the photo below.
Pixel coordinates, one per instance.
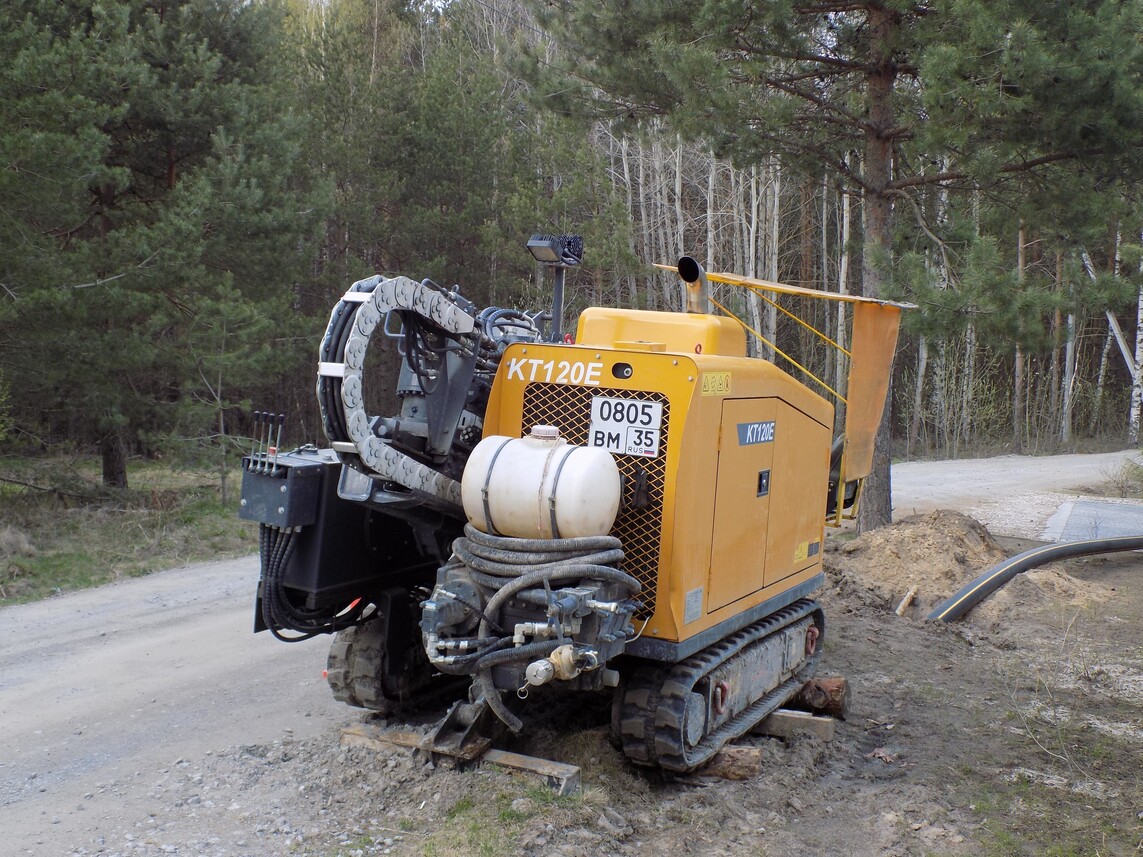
(783, 723)
(563, 779)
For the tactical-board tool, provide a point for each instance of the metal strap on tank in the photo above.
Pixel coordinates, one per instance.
(552, 498)
(484, 488)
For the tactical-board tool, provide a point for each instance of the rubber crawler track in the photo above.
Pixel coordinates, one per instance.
(653, 707)
(353, 668)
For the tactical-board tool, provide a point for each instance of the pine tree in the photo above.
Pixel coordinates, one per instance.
(874, 93)
(186, 187)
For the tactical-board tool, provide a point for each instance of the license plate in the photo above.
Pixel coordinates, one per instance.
(626, 426)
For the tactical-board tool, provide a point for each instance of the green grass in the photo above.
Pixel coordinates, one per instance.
(491, 820)
(1022, 817)
(61, 530)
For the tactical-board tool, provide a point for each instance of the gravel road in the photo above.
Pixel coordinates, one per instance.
(1013, 495)
(104, 692)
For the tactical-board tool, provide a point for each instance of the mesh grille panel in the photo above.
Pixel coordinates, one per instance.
(639, 524)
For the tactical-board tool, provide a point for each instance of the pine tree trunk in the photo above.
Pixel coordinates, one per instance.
(883, 23)
(646, 234)
(806, 237)
(625, 160)
(114, 459)
(739, 218)
(1018, 402)
(842, 288)
(674, 292)
(941, 438)
(710, 215)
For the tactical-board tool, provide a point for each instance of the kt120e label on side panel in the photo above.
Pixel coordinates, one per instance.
(626, 426)
(752, 433)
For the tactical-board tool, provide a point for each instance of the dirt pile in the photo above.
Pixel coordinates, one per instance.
(927, 558)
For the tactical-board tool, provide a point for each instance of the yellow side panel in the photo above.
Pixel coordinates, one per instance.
(742, 500)
(690, 333)
(870, 365)
(797, 494)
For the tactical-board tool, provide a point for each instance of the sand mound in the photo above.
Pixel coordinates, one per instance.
(938, 553)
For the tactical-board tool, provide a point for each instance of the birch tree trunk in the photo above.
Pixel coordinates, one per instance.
(918, 395)
(1137, 375)
(711, 214)
(680, 216)
(1134, 361)
(842, 288)
(1057, 323)
(1018, 367)
(1101, 380)
(1105, 354)
(625, 162)
(1069, 381)
(754, 301)
(775, 223)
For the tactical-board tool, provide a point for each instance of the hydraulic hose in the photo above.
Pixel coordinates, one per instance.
(973, 593)
(278, 612)
(529, 652)
(508, 557)
(503, 568)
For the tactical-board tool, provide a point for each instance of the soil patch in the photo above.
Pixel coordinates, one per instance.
(926, 558)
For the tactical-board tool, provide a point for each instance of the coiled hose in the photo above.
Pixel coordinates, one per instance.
(504, 568)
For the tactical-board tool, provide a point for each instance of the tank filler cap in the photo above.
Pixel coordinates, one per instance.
(545, 432)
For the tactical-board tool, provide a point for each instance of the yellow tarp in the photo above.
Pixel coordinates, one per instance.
(875, 327)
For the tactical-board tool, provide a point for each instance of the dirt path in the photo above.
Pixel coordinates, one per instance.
(145, 718)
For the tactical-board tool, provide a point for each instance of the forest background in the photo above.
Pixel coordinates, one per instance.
(187, 187)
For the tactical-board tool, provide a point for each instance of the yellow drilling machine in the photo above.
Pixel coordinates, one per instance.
(636, 509)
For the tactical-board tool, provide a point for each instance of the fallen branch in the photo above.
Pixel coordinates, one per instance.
(59, 492)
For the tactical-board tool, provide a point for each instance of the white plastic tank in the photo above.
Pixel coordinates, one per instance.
(517, 486)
